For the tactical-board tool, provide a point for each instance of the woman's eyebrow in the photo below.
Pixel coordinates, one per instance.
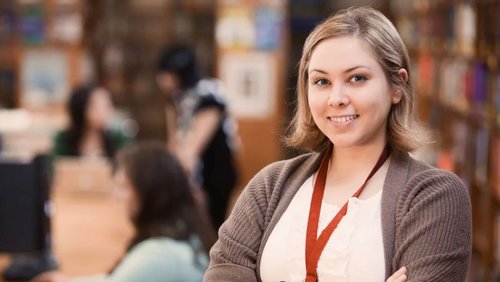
(356, 67)
(345, 71)
(318, 70)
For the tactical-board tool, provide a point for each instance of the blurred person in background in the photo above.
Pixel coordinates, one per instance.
(358, 207)
(90, 109)
(172, 236)
(200, 130)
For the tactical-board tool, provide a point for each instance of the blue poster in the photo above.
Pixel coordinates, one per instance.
(268, 28)
(32, 24)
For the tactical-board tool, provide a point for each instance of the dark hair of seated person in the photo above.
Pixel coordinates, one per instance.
(166, 207)
(77, 107)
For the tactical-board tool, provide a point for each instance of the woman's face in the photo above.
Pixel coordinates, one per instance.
(126, 193)
(348, 93)
(168, 82)
(99, 109)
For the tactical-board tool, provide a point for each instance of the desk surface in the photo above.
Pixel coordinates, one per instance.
(90, 231)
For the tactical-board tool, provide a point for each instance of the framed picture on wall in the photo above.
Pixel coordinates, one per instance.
(249, 79)
(44, 77)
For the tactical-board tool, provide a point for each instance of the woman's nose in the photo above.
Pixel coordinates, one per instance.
(338, 97)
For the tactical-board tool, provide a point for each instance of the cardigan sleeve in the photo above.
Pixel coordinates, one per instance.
(234, 255)
(433, 228)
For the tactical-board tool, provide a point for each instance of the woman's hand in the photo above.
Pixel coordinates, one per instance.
(398, 276)
(51, 276)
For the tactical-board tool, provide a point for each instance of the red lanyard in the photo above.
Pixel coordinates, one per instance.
(315, 246)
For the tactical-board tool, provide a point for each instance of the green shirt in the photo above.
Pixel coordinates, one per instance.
(158, 260)
(61, 145)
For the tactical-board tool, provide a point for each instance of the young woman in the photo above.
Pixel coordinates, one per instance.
(90, 108)
(201, 132)
(172, 237)
(359, 207)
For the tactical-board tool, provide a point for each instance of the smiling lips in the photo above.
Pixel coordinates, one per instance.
(343, 119)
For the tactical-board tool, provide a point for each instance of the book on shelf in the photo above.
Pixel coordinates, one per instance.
(495, 166)
(435, 116)
(480, 87)
(7, 24)
(487, 20)
(425, 73)
(32, 23)
(497, 98)
(465, 22)
(497, 251)
(482, 155)
(445, 160)
(7, 87)
(459, 149)
(449, 27)
(497, 30)
(455, 84)
(483, 217)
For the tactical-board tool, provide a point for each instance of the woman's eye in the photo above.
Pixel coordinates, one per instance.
(321, 82)
(357, 78)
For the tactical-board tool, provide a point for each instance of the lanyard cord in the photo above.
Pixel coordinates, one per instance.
(314, 245)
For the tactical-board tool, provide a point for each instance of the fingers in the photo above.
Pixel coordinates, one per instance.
(398, 276)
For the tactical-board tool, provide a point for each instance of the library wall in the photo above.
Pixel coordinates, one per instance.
(251, 60)
(455, 50)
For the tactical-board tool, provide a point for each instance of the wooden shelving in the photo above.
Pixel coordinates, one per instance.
(32, 32)
(455, 50)
(125, 40)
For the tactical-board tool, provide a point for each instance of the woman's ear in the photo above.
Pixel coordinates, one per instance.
(397, 94)
(403, 74)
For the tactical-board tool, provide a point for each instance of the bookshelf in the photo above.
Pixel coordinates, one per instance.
(455, 50)
(125, 38)
(41, 59)
(33, 33)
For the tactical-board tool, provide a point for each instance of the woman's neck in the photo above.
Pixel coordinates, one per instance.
(353, 162)
(348, 170)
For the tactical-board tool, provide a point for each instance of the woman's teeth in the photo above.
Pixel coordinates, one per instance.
(343, 119)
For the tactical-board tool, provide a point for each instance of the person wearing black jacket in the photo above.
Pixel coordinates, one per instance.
(200, 129)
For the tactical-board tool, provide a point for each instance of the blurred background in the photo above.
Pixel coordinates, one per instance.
(253, 46)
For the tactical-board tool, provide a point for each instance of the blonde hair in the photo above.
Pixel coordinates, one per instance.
(368, 24)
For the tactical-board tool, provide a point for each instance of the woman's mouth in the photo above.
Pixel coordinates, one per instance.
(343, 119)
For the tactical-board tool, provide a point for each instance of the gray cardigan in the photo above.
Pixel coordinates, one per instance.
(426, 220)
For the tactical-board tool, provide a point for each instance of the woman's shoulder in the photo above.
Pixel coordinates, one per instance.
(273, 179)
(285, 168)
(166, 247)
(209, 94)
(425, 179)
(160, 245)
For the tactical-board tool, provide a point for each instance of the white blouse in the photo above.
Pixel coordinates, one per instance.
(355, 251)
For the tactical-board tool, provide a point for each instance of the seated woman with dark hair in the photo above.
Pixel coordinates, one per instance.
(172, 237)
(89, 108)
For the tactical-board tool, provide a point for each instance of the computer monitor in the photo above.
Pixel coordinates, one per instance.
(25, 215)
